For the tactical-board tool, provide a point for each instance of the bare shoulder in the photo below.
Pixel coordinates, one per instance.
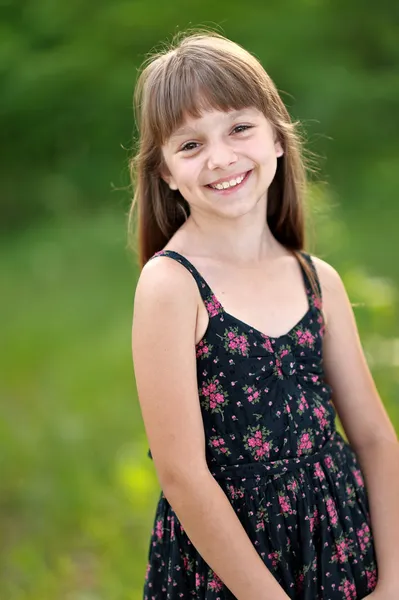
(333, 292)
(162, 281)
(330, 279)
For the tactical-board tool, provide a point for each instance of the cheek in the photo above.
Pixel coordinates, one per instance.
(187, 175)
(268, 155)
(261, 150)
(269, 167)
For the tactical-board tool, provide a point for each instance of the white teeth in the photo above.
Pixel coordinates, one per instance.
(226, 184)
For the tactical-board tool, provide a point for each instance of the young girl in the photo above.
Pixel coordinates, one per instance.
(244, 346)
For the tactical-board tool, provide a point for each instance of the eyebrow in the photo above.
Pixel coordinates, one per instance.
(185, 130)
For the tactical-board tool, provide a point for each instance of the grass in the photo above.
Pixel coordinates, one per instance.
(77, 490)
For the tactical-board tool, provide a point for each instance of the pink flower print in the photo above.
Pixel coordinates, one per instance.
(199, 580)
(371, 575)
(314, 563)
(305, 443)
(350, 494)
(275, 558)
(219, 445)
(316, 301)
(303, 337)
(264, 449)
(330, 464)
(320, 321)
(235, 493)
(235, 342)
(364, 537)
(358, 476)
(214, 582)
(262, 517)
(277, 368)
(203, 350)
(318, 471)
(302, 405)
(285, 505)
(292, 485)
(253, 395)
(343, 549)
(267, 345)
(255, 441)
(213, 306)
(212, 396)
(188, 563)
(172, 527)
(320, 413)
(159, 530)
(349, 589)
(314, 520)
(332, 511)
(278, 362)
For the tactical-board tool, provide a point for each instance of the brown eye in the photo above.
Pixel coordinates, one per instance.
(188, 146)
(241, 128)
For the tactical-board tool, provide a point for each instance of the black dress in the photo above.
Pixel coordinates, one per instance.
(272, 445)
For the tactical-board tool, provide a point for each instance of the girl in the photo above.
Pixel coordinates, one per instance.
(244, 346)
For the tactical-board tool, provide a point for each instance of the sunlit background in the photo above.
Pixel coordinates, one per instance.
(77, 491)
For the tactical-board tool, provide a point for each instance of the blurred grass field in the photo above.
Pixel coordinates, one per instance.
(78, 492)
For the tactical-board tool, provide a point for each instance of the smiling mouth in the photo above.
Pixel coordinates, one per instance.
(229, 186)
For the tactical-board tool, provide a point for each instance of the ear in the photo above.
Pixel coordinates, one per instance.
(171, 183)
(279, 148)
(167, 177)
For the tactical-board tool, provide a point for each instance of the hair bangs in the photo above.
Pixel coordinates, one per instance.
(191, 87)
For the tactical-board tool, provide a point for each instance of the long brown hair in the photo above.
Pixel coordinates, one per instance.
(197, 71)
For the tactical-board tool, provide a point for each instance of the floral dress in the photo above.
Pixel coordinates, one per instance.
(272, 445)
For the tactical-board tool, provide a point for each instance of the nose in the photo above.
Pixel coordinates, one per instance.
(220, 156)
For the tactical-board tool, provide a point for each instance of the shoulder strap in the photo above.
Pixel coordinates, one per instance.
(207, 294)
(311, 264)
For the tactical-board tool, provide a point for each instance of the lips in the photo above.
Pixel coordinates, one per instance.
(233, 187)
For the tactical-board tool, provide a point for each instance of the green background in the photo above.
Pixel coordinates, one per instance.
(77, 491)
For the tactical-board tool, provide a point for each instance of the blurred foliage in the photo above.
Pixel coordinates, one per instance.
(78, 493)
(67, 72)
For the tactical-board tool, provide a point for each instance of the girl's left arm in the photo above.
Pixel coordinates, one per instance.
(366, 423)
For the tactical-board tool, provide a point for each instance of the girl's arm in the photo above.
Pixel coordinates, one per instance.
(366, 424)
(163, 342)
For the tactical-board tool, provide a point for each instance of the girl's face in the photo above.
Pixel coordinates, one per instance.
(222, 162)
